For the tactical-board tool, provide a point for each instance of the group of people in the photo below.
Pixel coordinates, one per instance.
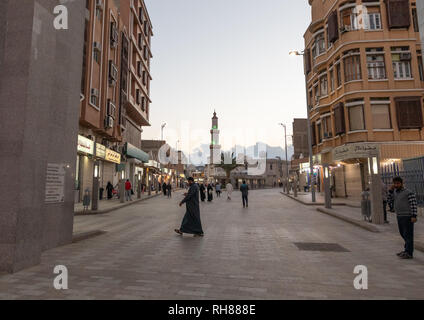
(167, 189)
(208, 189)
(111, 190)
(191, 223)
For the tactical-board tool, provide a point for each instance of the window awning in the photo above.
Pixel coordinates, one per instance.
(133, 152)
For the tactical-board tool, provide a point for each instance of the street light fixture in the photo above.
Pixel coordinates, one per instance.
(161, 130)
(311, 161)
(287, 159)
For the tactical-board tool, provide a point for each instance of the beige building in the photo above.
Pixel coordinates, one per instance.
(364, 73)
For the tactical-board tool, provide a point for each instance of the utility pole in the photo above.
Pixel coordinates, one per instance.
(287, 159)
(161, 130)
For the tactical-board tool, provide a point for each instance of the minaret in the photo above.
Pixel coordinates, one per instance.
(215, 153)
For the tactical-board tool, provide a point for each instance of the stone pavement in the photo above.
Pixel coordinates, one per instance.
(245, 254)
(306, 198)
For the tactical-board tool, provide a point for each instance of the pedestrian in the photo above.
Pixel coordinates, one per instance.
(109, 190)
(384, 196)
(404, 202)
(218, 190)
(169, 189)
(86, 199)
(202, 192)
(244, 188)
(229, 188)
(128, 190)
(191, 223)
(164, 187)
(210, 192)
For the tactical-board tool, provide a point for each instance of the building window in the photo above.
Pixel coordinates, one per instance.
(375, 64)
(415, 20)
(316, 94)
(327, 127)
(401, 58)
(332, 81)
(319, 128)
(420, 65)
(409, 112)
(319, 46)
(381, 114)
(373, 21)
(356, 116)
(339, 75)
(324, 85)
(352, 65)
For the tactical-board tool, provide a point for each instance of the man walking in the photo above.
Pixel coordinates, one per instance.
(191, 223)
(229, 188)
(244, 188)
(405, 204)
(169, 189)
(128, 188)
(218, 190)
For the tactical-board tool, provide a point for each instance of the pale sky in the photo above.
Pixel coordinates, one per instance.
(228, 55)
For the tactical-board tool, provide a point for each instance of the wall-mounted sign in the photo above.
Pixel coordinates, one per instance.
(85, 145)
(100, 151)
(352, 151)
(153, 163)
(113, 156)
(55, 183)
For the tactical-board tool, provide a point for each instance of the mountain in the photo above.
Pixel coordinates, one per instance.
(200, 155)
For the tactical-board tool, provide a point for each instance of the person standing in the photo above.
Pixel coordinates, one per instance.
(210, 192)
(229, 188)
(404, 203)
(244, 188)
(218, 190)
(169, 189)
(384, 196)
(109, 190)
(202, 192)
(164, 188)
(128, 188)
(192, 223)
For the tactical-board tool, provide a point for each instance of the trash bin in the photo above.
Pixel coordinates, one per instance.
(366, 205)
(101, 190)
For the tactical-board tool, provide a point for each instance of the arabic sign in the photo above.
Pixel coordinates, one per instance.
(113, 156)
(85, 145)
(100, 151)
(352, 151)
(55, 183)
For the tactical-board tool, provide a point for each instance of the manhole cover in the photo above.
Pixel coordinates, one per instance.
(324, 247)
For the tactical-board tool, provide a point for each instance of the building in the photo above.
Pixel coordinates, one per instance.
(299, 166)
(215, 149)
(364, 75)
(115, 93)
(420, 14)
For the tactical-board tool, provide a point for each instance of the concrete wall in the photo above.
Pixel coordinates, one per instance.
(39, 99)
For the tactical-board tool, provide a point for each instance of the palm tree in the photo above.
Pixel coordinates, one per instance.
(228, 163)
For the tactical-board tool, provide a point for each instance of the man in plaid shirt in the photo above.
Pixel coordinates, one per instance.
(404, 202)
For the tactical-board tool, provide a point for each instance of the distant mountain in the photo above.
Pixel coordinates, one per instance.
(200, 155)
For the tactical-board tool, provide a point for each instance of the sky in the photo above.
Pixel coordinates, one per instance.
(231, 56)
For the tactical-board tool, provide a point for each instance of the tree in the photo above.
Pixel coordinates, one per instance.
(228, 163)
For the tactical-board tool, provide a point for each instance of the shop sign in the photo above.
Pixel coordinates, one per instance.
(100, 151)
(112, 156)
(85, 145)
(352, 151)
(153, 164)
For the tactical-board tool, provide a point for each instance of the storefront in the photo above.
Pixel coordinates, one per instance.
(135, 163)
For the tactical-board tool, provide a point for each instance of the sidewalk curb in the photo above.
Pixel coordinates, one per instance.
(357, 223)
(77, 237)
(310, 203)
(127, 204)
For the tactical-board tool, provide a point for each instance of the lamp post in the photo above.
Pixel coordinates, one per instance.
(311, 161)
(161, 130)
(287, 159)
(95, 191)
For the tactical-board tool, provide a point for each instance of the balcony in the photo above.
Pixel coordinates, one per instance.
(136, 114)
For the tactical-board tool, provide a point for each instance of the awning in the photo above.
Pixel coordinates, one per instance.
(133, 152)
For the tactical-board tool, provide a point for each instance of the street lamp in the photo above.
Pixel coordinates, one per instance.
(311, 161)
(161, 130)
(287, 159)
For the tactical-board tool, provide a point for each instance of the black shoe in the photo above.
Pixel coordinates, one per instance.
(406, 256)
(400, 253)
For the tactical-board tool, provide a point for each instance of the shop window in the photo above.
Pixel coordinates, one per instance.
(401, 58)
(352, 65)
(380, 111)
(375, 64)
(356, 117)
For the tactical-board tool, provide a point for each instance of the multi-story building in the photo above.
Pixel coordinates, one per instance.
(364, 74)
(115, 92)
(420, 14)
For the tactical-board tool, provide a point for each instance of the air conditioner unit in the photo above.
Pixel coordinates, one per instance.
(94, 92)
(99, 4)
(108, 122)
(97, 46)
(405, 56)
(111, 109)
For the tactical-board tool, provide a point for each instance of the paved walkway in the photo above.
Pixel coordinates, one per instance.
(306, 198)
(245, 254)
